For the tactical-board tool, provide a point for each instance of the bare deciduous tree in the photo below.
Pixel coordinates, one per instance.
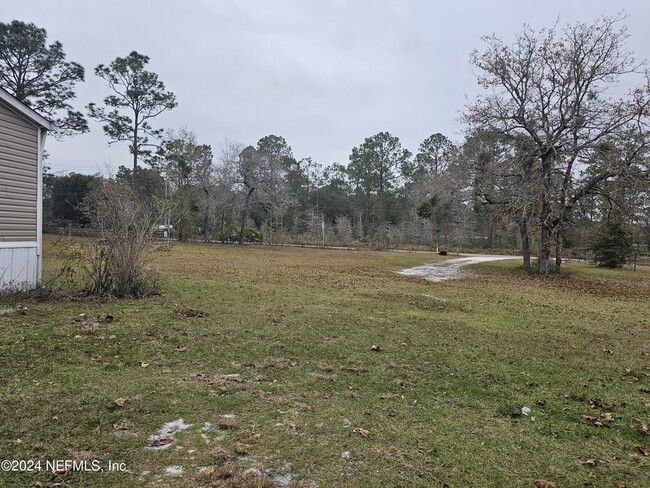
(554, 87)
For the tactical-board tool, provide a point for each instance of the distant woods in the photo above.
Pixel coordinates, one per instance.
(554, 157)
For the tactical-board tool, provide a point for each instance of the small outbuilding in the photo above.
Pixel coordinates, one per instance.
(22, 139)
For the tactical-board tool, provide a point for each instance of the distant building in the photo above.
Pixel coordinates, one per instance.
(22, 138)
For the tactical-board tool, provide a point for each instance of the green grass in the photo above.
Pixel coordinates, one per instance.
(440, 399)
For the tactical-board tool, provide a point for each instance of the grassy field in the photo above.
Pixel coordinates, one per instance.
(306, 367)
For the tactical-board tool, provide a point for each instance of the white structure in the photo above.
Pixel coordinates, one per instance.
(22, 138)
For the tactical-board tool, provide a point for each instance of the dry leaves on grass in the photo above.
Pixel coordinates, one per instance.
(545, 484)
(361, 432)
(181, 349)
(142, 364)
(644, 450)
(120, 402)
(190, 312)
(598, 421)
(605, 287)
(599, 404)
(226, 384)
(590, 461)
(161, 442)
(641, 427)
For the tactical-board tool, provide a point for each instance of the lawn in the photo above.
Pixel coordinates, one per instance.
(308, 367)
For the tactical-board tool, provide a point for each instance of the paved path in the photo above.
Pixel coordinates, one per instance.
(450, 269)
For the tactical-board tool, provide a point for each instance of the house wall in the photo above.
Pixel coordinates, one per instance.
(20, 144)
(19, 265)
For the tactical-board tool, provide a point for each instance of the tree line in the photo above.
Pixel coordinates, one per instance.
(554, 156)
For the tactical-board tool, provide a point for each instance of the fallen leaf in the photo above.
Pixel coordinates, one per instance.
(644, 450)
(181, 349)
(142, 364)
(540, 403)
(599, 404)
(607, 416)
(620, 485)
(545, 484)
(120, 402)
(375, 347)
(642, 427)
(593, 420)
(590, 461)
(361, 432)
(162, 441)
(108, 319)
(208, 472)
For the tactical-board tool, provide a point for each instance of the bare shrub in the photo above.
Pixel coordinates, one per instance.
(117, 257)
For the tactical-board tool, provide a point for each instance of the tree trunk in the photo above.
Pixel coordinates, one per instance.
(206, 217)
(559, 244)
(366, 223)
(546, 229)
(223, 227)
(544, 257)
(206, 230)
(525, 242)
(135, 155)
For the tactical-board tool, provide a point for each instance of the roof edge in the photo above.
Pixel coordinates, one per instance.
(26, 111)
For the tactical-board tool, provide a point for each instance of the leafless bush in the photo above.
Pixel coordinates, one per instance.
(117, 258)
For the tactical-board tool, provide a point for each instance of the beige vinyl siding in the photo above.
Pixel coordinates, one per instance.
(18, 177)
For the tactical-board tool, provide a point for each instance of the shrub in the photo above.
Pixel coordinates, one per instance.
(116, 261)
(612, 246)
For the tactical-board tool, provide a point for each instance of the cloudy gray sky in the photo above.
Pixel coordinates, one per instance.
(324, 74)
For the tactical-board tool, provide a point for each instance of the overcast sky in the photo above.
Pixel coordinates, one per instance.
(324, 74)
